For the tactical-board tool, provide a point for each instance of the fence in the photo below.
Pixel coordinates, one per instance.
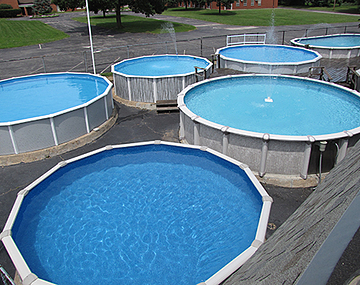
(104, 58)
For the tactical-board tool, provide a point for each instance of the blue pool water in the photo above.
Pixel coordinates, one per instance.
(299, 107)
(268, 53)
(332, 41)
(141, 215)
(40, 95)
(162, 65)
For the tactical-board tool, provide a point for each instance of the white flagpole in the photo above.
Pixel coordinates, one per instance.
(91, 43)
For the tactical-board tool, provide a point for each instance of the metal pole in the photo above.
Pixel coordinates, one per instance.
(43, 60)
(90, 36)
(85, 62)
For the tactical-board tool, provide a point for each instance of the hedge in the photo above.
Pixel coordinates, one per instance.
(9, 13)
(5, 6)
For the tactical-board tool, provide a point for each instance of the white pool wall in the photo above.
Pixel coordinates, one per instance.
(266, 67)
(46, 131)
(330, 52)
(29, 278)
(153, 88)
(263, 152)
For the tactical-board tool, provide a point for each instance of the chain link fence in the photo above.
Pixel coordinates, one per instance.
(206, 46)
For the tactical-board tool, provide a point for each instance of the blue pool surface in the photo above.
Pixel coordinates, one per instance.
(139, 215)
(41, 95)
(299, 107)
(332, 41)
(162, 65)
(268, 53)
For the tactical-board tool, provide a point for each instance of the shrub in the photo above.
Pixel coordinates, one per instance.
(9, 13)
(5, 6)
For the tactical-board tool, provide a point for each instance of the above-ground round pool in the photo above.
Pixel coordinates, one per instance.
(268, 59)
(275, 124)
(142, 213)
(332, 46)
(45, 110)
(158, 77)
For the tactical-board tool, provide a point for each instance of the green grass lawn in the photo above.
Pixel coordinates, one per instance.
(261, 17)
(24, 33)
(344, 8)
(133, 24)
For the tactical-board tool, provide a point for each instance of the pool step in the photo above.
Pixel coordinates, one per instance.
(166, 106)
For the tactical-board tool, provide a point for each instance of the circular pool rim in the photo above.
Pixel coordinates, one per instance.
(62, 111)
(267, 153)
(188, 112)
(154, 56)
(51, 131)
(259, 67)
(28, 277)
(334, 52)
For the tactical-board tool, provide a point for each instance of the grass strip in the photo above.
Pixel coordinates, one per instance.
(261, 17)
(23, 33)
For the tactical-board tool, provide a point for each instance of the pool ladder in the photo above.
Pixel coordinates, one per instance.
(352, 77)
(200, 73)
(5, 277)
(320, 72)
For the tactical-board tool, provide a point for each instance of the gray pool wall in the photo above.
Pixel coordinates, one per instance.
(266, 67)
(54, 129)
(263, 152)
(153, 88)
(330, 52)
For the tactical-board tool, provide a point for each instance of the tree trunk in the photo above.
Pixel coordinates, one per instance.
(219, 7)
(104, 14)
(118, 14)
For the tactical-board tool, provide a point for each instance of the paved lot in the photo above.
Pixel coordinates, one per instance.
(132, 125)
(72, 54)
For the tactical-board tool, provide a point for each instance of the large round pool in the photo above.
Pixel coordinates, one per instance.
(158, 77)
(45, 110)
(332, 46)
(145, 213)
(268, 59)
(287, 113)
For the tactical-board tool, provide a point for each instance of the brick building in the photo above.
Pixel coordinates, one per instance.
(24, 5)
(243, 4)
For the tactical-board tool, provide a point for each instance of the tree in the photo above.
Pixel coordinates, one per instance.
(225, 3)
(101, 5)
(147, 7)
(69, 4)
(118, 5)
(42, 7)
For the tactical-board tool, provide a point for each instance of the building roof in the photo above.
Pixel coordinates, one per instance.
(25, 2)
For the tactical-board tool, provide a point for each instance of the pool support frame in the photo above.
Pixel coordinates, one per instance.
(330, 52)
(51, 130)
(264, 152)
(267, 67)
(153, 88)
